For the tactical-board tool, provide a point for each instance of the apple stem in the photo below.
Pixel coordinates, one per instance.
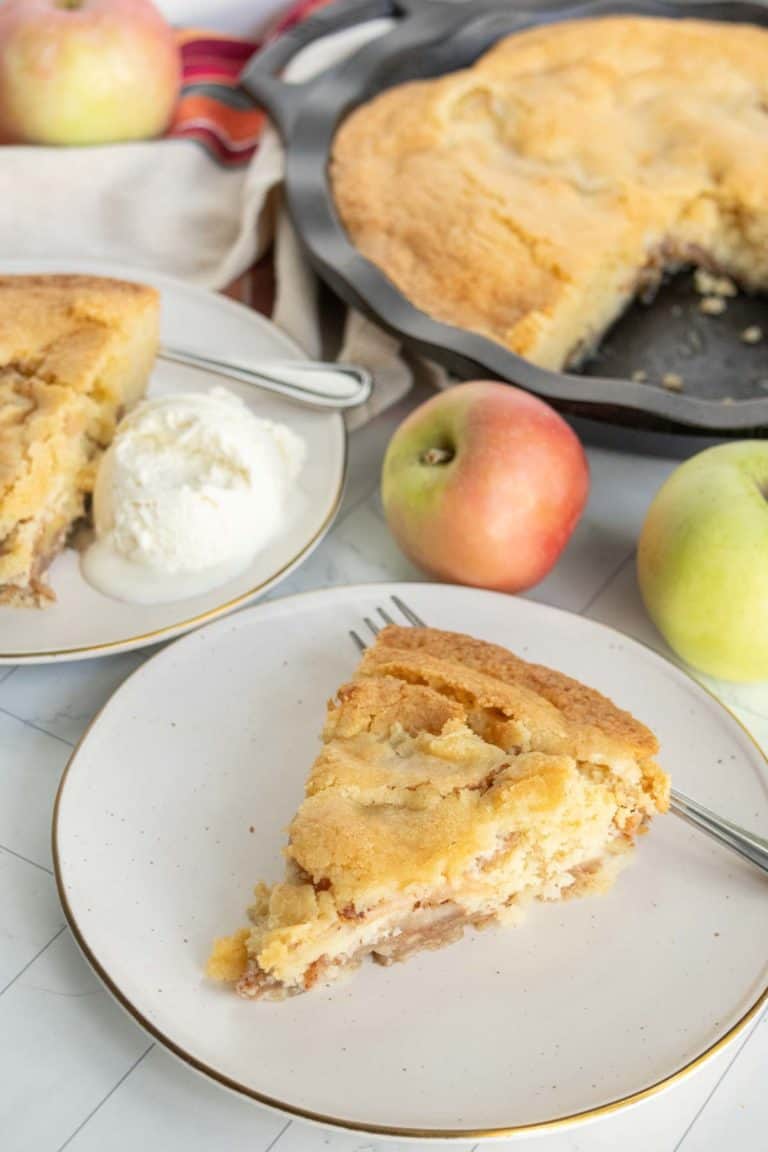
(437, 456)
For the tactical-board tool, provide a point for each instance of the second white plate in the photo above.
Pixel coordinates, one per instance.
(83, 622)
(176, 803)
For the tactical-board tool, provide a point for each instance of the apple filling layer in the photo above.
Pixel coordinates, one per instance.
(456, 783)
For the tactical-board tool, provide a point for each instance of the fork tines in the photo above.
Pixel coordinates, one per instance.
(374, 628)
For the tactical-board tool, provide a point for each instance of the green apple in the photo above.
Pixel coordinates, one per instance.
(85, 71)
(702, 561)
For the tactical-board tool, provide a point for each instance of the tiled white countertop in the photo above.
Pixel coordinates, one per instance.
(77, 1073)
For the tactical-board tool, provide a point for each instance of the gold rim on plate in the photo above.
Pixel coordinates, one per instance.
(174, 630)
(557, 1123)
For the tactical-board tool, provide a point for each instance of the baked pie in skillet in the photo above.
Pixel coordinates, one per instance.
(530, 197)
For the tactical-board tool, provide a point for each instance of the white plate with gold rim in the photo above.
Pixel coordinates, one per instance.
(83, 622)
(176, 803)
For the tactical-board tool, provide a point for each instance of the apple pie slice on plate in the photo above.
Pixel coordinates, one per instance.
(75, 351)
(456, 783)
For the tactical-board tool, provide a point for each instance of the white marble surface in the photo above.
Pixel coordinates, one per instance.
(76, 1073)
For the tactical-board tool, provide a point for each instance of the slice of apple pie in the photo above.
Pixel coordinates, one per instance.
(74, 352)
(456, 782)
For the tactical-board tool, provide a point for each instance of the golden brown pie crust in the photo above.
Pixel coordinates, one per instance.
(526, 198)
(74, 352)
(455, 783)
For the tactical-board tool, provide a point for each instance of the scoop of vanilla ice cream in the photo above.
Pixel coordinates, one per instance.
(194, 481)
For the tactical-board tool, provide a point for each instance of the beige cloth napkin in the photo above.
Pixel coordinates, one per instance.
(297, 310)
(166, 206)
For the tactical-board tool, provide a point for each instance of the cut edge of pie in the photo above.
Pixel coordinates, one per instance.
(456, 783)
(75, 352)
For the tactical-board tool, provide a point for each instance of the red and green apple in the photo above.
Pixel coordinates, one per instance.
(85, 71)
(483, 484)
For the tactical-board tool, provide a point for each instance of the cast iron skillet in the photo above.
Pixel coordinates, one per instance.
(725, 380)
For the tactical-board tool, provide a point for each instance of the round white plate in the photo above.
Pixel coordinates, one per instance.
(177, 800)
(82, 622)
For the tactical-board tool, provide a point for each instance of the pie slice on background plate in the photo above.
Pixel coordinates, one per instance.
(75, 351)
(455, 784)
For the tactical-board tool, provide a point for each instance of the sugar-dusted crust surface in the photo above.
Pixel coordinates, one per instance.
(552, 704)
(455, 782)
(528, 196)
(74, 352)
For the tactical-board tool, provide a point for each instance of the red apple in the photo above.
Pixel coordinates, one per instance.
(483, 484)
(85, 71)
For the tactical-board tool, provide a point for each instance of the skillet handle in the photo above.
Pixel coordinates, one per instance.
(260, 77)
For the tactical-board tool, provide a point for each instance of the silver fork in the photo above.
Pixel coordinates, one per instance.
(747, 844)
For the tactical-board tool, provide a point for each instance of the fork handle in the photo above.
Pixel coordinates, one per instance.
(313, 383)
(747, 844)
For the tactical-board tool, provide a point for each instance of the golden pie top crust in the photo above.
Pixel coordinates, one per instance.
(61, 335)
(441, 744)
(59, 321)
(453, 775)
(549, 703)
(74, 351)
(524, 197)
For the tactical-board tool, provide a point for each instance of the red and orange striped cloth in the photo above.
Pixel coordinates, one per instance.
(212, 109)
